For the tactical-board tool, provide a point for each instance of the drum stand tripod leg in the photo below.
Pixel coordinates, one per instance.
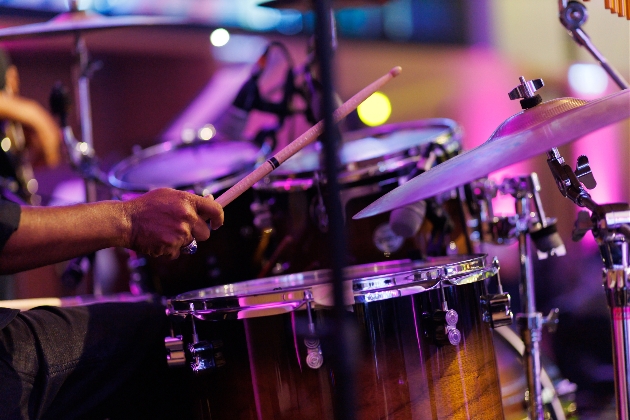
(530, 324)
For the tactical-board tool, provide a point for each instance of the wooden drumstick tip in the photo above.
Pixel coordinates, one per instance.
(395, 71)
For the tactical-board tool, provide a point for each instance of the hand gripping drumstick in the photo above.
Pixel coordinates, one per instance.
(305, 139)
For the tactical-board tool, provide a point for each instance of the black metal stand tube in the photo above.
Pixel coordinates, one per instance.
(342, 331)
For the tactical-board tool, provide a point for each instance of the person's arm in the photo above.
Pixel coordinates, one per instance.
(30, 113)
(158, 223)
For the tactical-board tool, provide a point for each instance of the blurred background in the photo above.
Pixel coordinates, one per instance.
(460, 58)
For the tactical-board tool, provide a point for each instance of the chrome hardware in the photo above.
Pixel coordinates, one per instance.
(175, 355)
(314, 356)
(497, 307)
(527, 89)
(584, 173)
(204, 353)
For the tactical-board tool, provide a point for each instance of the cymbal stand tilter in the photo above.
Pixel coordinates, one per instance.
(530, 222)
(573, 15)
(610, 224)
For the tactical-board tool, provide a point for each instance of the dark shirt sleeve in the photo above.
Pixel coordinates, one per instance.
(9, 220)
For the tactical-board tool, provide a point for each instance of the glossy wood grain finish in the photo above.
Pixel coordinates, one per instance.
(401, 373)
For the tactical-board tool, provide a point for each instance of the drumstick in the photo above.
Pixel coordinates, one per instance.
(305, 139)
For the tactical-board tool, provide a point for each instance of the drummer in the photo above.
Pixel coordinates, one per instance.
(98, 361)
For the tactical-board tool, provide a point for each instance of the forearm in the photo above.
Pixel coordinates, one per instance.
(47, 235)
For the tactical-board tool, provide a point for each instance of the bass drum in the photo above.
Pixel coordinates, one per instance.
(373, 162)
(201, 167)
(262, 349)
(558, 393)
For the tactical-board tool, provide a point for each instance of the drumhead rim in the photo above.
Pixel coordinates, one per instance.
(115, 177)
(365, 279)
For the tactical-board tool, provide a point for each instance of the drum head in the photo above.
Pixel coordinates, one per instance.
(365, 152)
(184, 165)
(367, 282)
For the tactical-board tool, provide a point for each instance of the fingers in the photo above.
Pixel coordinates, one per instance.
(209, 209)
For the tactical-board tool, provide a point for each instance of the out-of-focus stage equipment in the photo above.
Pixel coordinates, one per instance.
(540, 127)
(372, 162)
(304, 140)
(81, 153)
(573, 15)
(423, 348)
(17, 181)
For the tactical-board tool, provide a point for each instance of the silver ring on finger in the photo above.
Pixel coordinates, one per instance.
(191, 248)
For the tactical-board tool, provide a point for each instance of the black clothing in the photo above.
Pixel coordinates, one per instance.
(9, 219)
(87, 362)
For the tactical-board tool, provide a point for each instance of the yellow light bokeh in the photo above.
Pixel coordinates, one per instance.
(375, 110)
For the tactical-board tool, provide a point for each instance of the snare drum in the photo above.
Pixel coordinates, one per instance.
(261, 350)
(373, 162)
(202, 167)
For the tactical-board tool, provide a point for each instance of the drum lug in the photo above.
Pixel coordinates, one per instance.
(205, 355)
(314, 356)
(443, 327)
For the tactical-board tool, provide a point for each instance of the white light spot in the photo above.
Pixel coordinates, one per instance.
(207, 132)
(188, 135)
(6, 144)
(219, 37)
(83, 147)
(588, 79)
(32, 186)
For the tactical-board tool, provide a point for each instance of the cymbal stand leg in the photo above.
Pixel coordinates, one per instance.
(530, 322)
(572, 16)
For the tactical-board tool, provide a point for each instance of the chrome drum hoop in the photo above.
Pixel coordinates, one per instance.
(365, 283)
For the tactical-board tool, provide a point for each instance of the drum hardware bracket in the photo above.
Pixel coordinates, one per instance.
(204, 353)
(175, 355)
(443, 323)
(573, 15)
(497, 307)
(314, 355)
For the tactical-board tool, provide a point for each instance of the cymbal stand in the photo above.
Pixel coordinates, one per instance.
(573, 15)
(610, 224)
(530, 222)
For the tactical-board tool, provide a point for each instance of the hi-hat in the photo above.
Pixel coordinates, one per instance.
(527, 134)
(82, 21)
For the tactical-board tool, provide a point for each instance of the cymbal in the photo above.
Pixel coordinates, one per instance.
(306, 5)
(80, 21)
(527, 134)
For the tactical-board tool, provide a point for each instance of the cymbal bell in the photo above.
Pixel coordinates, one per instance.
(527, 134)
(81, 21)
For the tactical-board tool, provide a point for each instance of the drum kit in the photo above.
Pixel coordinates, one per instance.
(279, 330)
